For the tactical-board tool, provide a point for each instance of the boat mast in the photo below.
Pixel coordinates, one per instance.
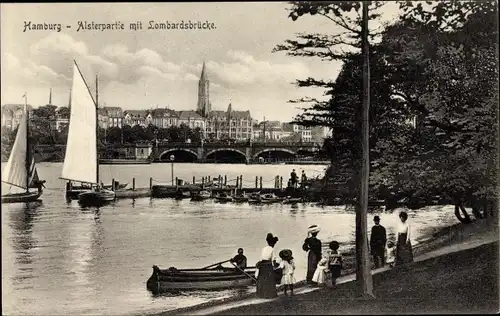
(97, 126)
(27, 162)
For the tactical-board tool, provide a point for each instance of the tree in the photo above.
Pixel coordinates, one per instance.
(357, 36)
(64, 112)
(448, 78)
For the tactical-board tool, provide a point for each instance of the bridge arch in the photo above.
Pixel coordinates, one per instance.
(184, 154)
(277, 150)
(234, 155)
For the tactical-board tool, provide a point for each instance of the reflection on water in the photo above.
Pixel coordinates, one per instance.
(59, 259)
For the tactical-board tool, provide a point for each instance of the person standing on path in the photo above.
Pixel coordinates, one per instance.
(378, 240)
(313, 246)
(303, 179)
(404, 251)
(266, 282)
(294, 178)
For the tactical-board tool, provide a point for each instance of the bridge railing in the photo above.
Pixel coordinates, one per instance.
(237, 144)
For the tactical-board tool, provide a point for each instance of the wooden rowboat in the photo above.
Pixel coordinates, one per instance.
(219, 278)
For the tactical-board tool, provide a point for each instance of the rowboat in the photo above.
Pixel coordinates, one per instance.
(20, 171)
(241, 198)
(182, 195)
(223, 197)
(254, 198)
(201, 196)
(218, 278)
(81, 161)
(291, 200)
(270, 198)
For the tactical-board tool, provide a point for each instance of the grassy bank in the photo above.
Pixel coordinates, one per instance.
(461, 282)
(458, 235)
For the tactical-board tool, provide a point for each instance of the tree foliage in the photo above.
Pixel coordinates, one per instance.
(437, 67)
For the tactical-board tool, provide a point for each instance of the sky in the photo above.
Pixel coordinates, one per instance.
(144, 69)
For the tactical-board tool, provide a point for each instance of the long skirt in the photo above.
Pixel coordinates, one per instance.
(266, 282)
(404, 251)
(312, 264)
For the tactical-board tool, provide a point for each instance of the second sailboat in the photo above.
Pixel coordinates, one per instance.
(81, 163)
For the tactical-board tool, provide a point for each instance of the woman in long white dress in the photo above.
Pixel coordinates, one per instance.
(404, 251)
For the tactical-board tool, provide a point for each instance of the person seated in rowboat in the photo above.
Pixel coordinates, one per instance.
(240, 260)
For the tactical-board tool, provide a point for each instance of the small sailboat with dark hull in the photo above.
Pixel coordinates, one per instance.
(81, 162)
(20, 171)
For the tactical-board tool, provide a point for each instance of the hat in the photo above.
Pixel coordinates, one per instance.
(271, 238)
(286, 254)
(376, 218)
(313, 229)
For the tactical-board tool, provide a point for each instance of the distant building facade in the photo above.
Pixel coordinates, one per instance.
(12, 114)
(229, 124)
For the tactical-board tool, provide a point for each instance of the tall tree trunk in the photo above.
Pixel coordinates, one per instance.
(363, 271)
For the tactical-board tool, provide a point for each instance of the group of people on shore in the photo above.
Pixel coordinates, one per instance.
(324, 269)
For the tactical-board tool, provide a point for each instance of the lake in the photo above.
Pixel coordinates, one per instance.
(58, 259)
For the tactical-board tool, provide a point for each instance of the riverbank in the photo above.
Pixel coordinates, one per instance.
(456, 283)
(454, 246)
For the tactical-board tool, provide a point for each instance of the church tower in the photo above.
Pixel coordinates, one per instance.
(204, 106)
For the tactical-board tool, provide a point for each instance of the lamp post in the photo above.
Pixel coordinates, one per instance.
(172, 158)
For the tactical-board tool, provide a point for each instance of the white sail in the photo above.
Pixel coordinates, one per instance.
(80, 162)
(15, 172)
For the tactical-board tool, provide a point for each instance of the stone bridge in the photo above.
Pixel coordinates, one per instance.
(244, 152)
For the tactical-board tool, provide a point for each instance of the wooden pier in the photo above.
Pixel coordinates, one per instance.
(215, 185)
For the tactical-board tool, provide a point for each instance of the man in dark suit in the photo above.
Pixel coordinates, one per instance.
(378, 239)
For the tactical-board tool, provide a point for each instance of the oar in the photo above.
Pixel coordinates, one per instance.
(248, 275)
(215, 264)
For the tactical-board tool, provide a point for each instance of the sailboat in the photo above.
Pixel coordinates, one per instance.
(20, 170)
(81, 162)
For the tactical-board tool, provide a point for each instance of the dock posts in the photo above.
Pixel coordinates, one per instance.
(112, 184)
(225, 180)
(261, 183)
(208, 178)
(194, 180)
(202, 183)
(241, 182)
(133, 184)
(237, 182)
(256, 182)
(176, 182)
(150, 183)
(281, 182)
(220, 181)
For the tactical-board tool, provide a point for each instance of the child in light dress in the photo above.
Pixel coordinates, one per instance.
(321, 274)
(390, 253)
(288, 267)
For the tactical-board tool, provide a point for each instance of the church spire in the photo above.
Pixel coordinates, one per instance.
(50, 96)
(203, 72)
(203, 107)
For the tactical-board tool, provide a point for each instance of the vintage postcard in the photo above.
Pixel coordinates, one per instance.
(308, 157)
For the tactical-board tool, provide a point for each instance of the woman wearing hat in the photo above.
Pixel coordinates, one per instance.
(313, 245)
(266, 282)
